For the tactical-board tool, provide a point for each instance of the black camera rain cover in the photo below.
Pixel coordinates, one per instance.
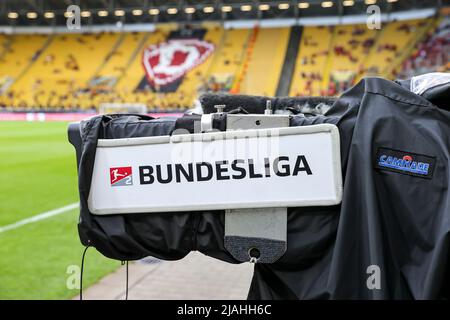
(388, 239)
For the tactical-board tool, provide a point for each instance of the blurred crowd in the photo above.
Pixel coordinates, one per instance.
(431, 54)
(89, 100)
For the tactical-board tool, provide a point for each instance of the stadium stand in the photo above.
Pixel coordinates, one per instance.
(196, 78)
(228, 59)
(311, 60)
(81, 71)
(18, 55)
(393, 40)
(119, 58)
(264, 66)
(63, 69)
(432, 54)
(350, 44)
(131, 75)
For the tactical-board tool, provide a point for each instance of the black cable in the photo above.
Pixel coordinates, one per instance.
(126, 290)
(81, 273)
(126, 277)
(238, 110)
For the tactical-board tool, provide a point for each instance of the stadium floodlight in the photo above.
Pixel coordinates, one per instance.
(85, 14)
(227, 8)
(172, 11)
(246, 7)
(137, 12)
(390, 1)
(119, 13)
(153, 11)
(303, 5)
(68, 14)
(208, 9)
(189, 10)
(283, 6)
(263, 7)
(327, 4)
(13, 15)
(369, 2)
(49, 14)
(31, 15)
(348, 3)
(102, 13)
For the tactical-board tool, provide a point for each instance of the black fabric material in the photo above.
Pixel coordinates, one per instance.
(439, 96)
(187, 123)
(397, 222)
(273, 249)
(220, 122)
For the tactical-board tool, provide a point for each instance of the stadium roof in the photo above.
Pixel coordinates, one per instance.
(53, 12)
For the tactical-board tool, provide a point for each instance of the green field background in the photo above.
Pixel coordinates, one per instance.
(37, 174)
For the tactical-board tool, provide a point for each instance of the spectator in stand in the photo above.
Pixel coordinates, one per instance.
(432, 54)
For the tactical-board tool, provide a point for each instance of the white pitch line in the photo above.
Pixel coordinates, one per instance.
(39, 217)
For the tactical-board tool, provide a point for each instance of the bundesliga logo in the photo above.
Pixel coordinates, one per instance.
(121, 176)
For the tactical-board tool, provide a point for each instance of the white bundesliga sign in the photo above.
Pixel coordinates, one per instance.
(282, 167)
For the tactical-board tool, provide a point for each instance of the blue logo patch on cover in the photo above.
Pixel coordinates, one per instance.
(413, 164)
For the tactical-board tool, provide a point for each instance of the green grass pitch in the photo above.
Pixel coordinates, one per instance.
(38, 173)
